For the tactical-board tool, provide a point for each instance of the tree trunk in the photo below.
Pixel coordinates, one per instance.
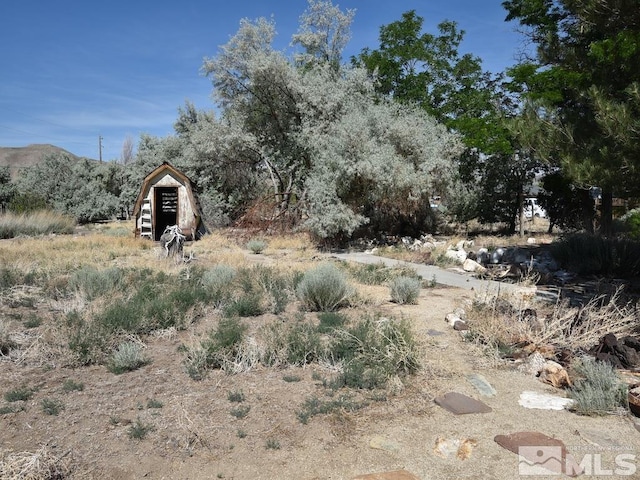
(606, 213)
(521, 213)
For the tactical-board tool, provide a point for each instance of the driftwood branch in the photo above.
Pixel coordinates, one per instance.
(172, 240)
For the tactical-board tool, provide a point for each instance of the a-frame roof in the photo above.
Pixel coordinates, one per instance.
(166, 167)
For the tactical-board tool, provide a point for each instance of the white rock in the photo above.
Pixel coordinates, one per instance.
(531, 241)
(459, 255)
(452, 318)
(473, 266)
(543, 401)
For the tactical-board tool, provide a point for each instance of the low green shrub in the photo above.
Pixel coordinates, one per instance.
(378, 273)
(241, 411)
(313, 406)
(127, 357)
(94, 283)
(630, 222)
(324, 288)
(52, 406)
(19, 394)
(70, 385)
(222, 344)
(218, 280)
(600, 390)
(88, 340)
(256, 245)
(373, 351)
(405, 290)
(153, 403)
(195, 362)
(303, 344)
(33, 321)
(277, 287)
(272, 444)
(245, 305)
(9, 277)
(156, 301)
(139, 430)
(329, 321)
(237, 396)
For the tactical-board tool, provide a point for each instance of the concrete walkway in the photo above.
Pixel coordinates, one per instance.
(429, 272)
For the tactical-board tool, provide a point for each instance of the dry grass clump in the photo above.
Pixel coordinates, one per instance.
(296, 241)
(42, 464)
(42, 222)
(502, 322)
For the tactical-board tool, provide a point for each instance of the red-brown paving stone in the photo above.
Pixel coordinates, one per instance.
(539, 450)
(461, 404)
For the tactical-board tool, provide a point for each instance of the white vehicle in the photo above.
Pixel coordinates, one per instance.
(532, 209)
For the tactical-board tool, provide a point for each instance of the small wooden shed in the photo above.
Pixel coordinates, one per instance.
(167, 198)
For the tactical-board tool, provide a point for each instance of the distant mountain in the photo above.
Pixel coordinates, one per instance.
(18, 158)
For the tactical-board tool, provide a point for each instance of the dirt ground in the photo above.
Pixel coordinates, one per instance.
(195, 436)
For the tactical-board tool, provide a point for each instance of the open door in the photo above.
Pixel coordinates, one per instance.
(166, 209)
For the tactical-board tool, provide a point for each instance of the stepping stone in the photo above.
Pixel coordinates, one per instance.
(604, 440)
(481, 384)
(539, 454)
(382, 443)
(460, 404)
(543, 401)
(461, 447)
(395, 475)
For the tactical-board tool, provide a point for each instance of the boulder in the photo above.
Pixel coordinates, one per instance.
(554, 374)
(458, 255)
(472, 266)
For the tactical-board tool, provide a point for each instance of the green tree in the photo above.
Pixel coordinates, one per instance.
(583, 78)
(334, 154)
(78, 188)
(324, 32)
(568, 206)
(426, 69)
(7, 188)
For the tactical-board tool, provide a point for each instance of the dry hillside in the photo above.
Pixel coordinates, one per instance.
(18, 158)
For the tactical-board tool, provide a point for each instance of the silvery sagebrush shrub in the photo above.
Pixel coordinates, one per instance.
(324, 288)
(405, 290)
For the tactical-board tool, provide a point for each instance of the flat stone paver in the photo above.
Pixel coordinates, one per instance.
(460, 404)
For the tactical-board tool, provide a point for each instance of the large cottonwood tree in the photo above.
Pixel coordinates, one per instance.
(335, 154)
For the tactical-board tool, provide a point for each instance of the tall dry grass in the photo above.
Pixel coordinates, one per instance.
(505, 322)
(42, 222)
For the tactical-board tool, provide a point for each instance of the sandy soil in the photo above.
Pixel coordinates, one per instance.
(196, 437)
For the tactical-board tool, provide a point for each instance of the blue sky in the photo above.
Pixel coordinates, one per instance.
(71, 71)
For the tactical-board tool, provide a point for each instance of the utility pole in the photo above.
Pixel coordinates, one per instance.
(100, 147)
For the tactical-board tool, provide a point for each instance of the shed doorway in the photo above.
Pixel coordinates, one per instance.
(166, 209)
